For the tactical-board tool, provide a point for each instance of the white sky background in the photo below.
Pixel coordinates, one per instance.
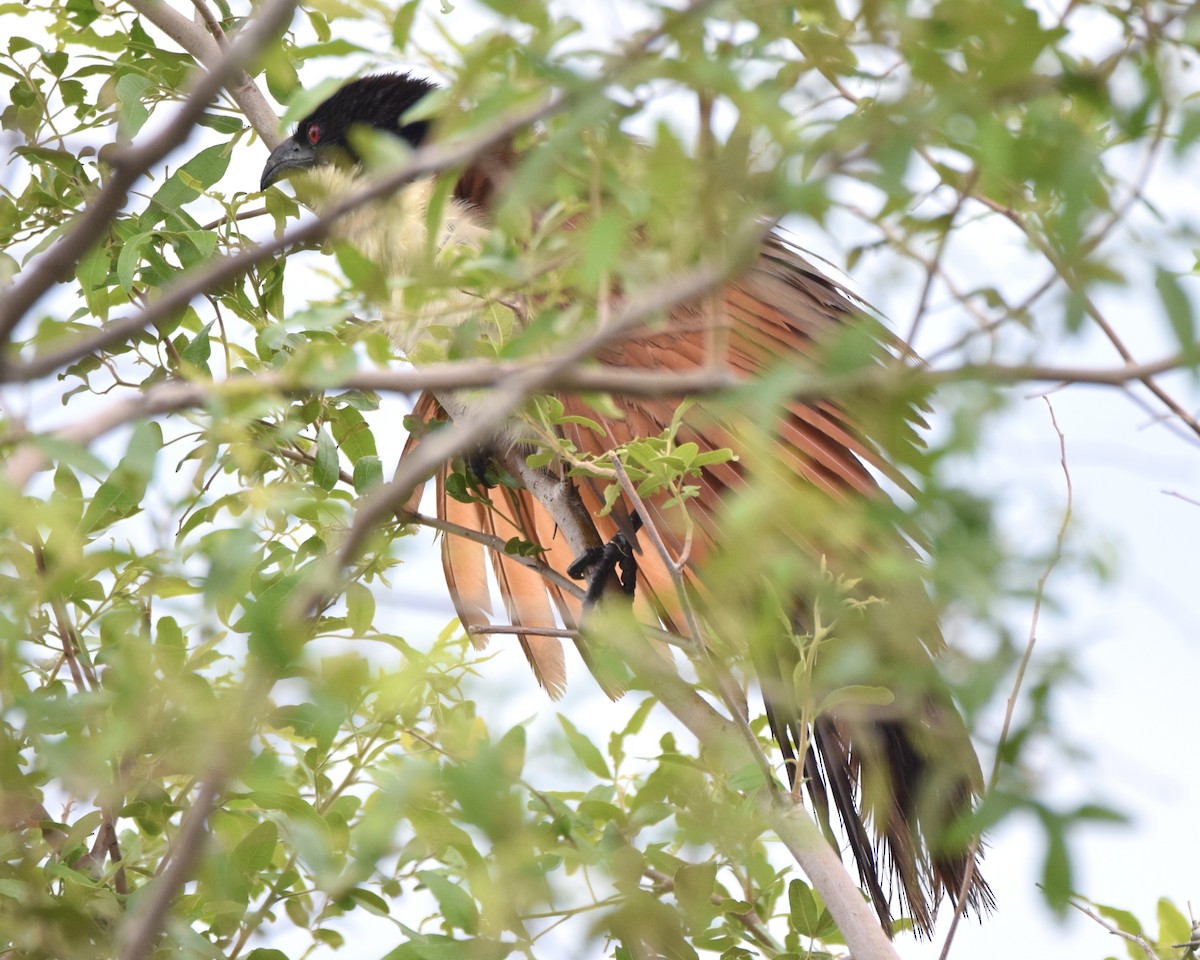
(1133, 641)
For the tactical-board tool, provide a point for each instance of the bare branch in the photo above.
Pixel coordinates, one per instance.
(513, 628)
(1116, 931)
(180, 395)
(1063, 270)
(570, 377)
(961, 901)
(167, 397)
(1182, 496)
(131, 163)
(205, 15)
(802, 837)
(497, 544)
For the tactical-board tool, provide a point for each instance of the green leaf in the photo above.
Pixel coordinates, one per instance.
(1173, 926)
(257, 848)
(803, 909)
(371, 900)
(360, 608)
(510, 751)
(587, 752)
(857, 694)
(209, 165)
(133, 113)
(122, 493)
(750, 777)
(604, 239)
(203, 170)
(1124, 919)
(353, 435)
(694, 889)
(457, 906)
(368, 473)
(325, 466)
(364, 274)
(437, 947)
(1178, 309)
(199, 349)
(1056, 869)
(130, 258)
(92, 274)
(402, 24)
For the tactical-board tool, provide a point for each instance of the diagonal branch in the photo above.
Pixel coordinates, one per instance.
(425, 161)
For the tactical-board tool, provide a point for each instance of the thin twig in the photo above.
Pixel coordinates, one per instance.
(934, 266)
(514, 628)
(1181, 496)
(209, 20)
(177, 395)
(240, 215)
(1117, 931)
(961, 901)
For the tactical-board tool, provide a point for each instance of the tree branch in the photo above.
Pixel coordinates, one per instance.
(425, 161)
(802, 837)
(569, 377)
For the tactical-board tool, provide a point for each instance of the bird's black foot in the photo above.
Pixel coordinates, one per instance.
(481, 466)
(615, 561)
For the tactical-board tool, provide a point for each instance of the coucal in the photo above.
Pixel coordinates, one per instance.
(898, 769)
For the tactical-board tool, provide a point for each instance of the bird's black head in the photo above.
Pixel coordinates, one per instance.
(321, 137)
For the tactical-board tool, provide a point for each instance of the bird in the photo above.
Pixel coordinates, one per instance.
(896, 765)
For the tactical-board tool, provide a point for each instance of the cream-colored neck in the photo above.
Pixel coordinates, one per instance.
(394, 233)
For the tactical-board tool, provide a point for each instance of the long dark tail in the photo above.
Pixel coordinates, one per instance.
(896, 794)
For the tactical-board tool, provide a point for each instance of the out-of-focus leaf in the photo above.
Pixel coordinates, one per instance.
(587, 752)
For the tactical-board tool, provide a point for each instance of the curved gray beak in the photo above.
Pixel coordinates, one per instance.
(289, 155)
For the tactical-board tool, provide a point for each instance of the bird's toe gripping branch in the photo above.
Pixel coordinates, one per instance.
(614, 563)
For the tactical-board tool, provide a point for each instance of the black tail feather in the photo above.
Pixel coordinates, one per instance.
(893, 799)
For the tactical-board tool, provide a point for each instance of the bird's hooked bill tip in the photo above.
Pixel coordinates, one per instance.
(289, 155)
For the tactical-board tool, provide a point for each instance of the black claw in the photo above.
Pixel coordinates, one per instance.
(481, 467)
(581, 564)
(614, 560)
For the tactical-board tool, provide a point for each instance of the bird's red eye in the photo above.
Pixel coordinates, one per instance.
(314, 134)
